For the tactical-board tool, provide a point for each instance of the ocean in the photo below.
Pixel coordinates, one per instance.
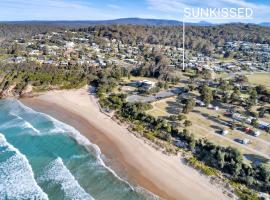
(43, 158)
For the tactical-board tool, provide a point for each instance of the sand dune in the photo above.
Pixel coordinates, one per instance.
(131, 157)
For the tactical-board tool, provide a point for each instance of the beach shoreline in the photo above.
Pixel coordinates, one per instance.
(132, 159)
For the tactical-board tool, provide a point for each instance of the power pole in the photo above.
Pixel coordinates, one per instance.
(183, 45)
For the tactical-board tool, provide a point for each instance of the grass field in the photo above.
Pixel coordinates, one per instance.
(222, 75)
(205, 125)
(162, 108)
(260, 79)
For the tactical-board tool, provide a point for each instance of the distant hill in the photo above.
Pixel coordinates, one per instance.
(265, 24)
(122, 21)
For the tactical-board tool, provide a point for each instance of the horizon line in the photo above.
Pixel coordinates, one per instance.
(100, 20)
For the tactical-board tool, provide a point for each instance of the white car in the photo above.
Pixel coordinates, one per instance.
(224, 132)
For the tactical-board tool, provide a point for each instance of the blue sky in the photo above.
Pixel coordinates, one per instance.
(13, 10)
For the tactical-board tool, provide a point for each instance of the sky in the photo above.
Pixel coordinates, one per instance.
(21, 10)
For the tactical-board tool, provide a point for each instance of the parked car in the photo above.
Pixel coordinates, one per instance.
(243, 141)
(224, 132)
(256, 133)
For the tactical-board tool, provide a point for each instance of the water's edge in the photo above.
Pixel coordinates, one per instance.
(65, 166)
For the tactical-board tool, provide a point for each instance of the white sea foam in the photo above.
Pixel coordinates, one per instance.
(17, 177)
(29, 126)
(57, 172)
(25, 124)
(10, 124)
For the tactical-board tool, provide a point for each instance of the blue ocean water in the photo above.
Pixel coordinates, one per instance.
(43, 158)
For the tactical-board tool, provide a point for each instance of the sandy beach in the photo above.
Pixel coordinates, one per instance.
(128, 155)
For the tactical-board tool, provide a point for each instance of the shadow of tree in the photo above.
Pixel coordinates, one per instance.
(216, 128)
(173, 108)
(256, 159)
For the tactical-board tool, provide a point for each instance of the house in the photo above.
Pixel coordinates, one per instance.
(49, 62)
(34, 52)
(19, 59)
(41, 59)
(64, 63)
(69, 45)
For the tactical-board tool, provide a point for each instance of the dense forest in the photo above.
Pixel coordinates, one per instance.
(9, 31)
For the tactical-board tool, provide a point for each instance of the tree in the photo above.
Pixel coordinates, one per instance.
(207, 74)
(187, 123)
(181, 117)
(233, 125)
(253, 97)
(221, 158)
(189, 105)
(207, 95)
(254, 122)
(268, 129)
(235, 96)
(192, 142)
(262, 112)
(224, 86)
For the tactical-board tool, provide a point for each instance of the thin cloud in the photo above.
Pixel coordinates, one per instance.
(50, 10)
(114, 6)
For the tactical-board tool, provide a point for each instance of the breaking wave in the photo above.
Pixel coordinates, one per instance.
(16, 175)
(57, 172)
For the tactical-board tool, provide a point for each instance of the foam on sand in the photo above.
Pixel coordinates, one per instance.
(57, 172)
(16, 175)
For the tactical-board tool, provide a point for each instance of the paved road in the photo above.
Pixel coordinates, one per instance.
(151, 98)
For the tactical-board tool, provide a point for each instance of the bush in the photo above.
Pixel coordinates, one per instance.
(202, 167)
(187, 123)
(181, 117)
